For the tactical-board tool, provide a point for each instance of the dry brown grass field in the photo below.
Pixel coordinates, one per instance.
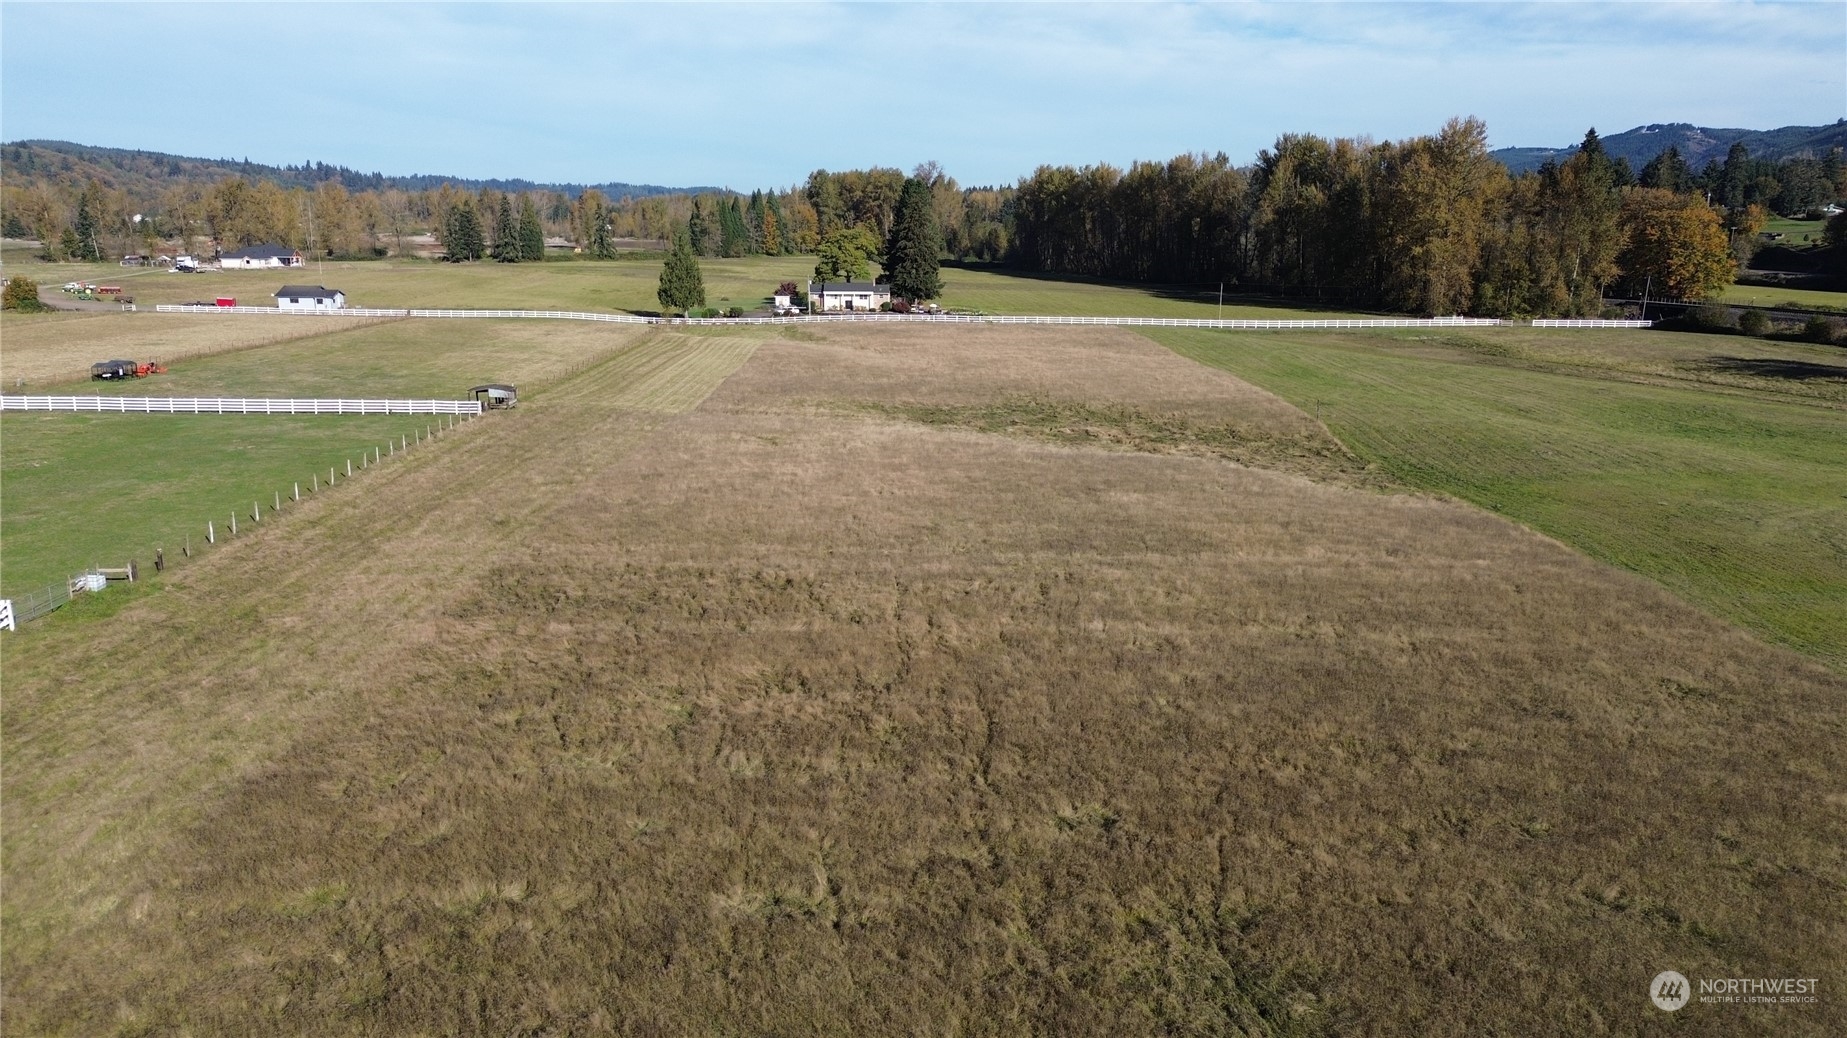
(924, 681)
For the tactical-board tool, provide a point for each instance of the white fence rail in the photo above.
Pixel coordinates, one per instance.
(234, 405)
(1587, 322)
(882, 318)
(6, 615)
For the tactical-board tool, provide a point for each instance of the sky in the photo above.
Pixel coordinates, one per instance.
(759, 95)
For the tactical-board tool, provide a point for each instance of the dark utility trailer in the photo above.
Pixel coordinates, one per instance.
(112, 369)
(497, 395)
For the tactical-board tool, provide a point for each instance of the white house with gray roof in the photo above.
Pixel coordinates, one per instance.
(825, 296)
(259, 256)
(309, 297)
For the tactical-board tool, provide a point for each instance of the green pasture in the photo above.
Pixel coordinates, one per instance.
(1759, 295)
(1711, 464)
(86, 489)
(1795, 229)
(630, 284)
(80, 490)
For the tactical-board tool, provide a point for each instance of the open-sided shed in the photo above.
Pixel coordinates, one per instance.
(496, 394)
(111, 369)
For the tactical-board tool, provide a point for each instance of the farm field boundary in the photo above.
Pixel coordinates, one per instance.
(234, 405)
(1725, 492)
(1241, 324)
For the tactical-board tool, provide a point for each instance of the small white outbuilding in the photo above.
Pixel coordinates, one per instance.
(309, 297)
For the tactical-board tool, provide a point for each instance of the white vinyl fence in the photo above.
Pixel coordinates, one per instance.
(1237, 324)
(1587, 322)
(234, 405)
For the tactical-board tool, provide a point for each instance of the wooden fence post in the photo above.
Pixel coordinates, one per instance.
(298, 490)
(211, 535)
(256, 511)
(278, 507)
(349, 468)
(234, 524)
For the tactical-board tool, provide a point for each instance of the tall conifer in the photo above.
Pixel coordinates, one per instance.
(913, 253)
(682, 286)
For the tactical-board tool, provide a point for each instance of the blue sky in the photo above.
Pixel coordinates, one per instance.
(758, 95)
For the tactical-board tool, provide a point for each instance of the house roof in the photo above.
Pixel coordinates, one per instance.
(307, 292)
(261, 252)
(847, 286)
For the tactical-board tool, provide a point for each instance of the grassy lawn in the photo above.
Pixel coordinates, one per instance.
(1760, 295)
(84, 490)
(626, 285)
(100, 489)
(1794, 230)
(1715, 473)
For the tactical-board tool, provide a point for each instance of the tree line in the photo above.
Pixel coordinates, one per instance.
(1432, 224)
(1429, 224)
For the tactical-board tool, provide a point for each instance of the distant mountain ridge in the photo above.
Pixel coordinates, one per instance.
(142, 172)
(1697, 144)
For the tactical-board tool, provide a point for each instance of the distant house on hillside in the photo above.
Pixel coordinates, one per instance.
(309, 297)
(260, 256)
(847, 295)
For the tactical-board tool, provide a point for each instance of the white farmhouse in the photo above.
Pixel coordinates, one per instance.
(259, 256)
(309, 297)
(847, 295)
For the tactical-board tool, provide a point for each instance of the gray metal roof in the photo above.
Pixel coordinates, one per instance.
(261, 252)
(307, 292)
(847, 286)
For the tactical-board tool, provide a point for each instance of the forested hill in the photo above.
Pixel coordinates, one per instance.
(144, 175)
(1697, 144)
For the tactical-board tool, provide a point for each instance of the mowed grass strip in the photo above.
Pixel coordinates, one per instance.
(1729, 494)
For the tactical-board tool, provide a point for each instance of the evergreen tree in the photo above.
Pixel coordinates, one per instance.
(87, 247)
(1668, 171)
(1734, 178)
(462, 236)
(531, 231)
(733, 237)
(913, 254)
(699, 228)
(682, 286)
(506, 233)
(602, 245)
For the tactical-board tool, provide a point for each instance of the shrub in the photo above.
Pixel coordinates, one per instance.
(900, 306)
(1753, 322)
(22, 295)
(1711, 317)
(736, 311)
(1824, 330)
